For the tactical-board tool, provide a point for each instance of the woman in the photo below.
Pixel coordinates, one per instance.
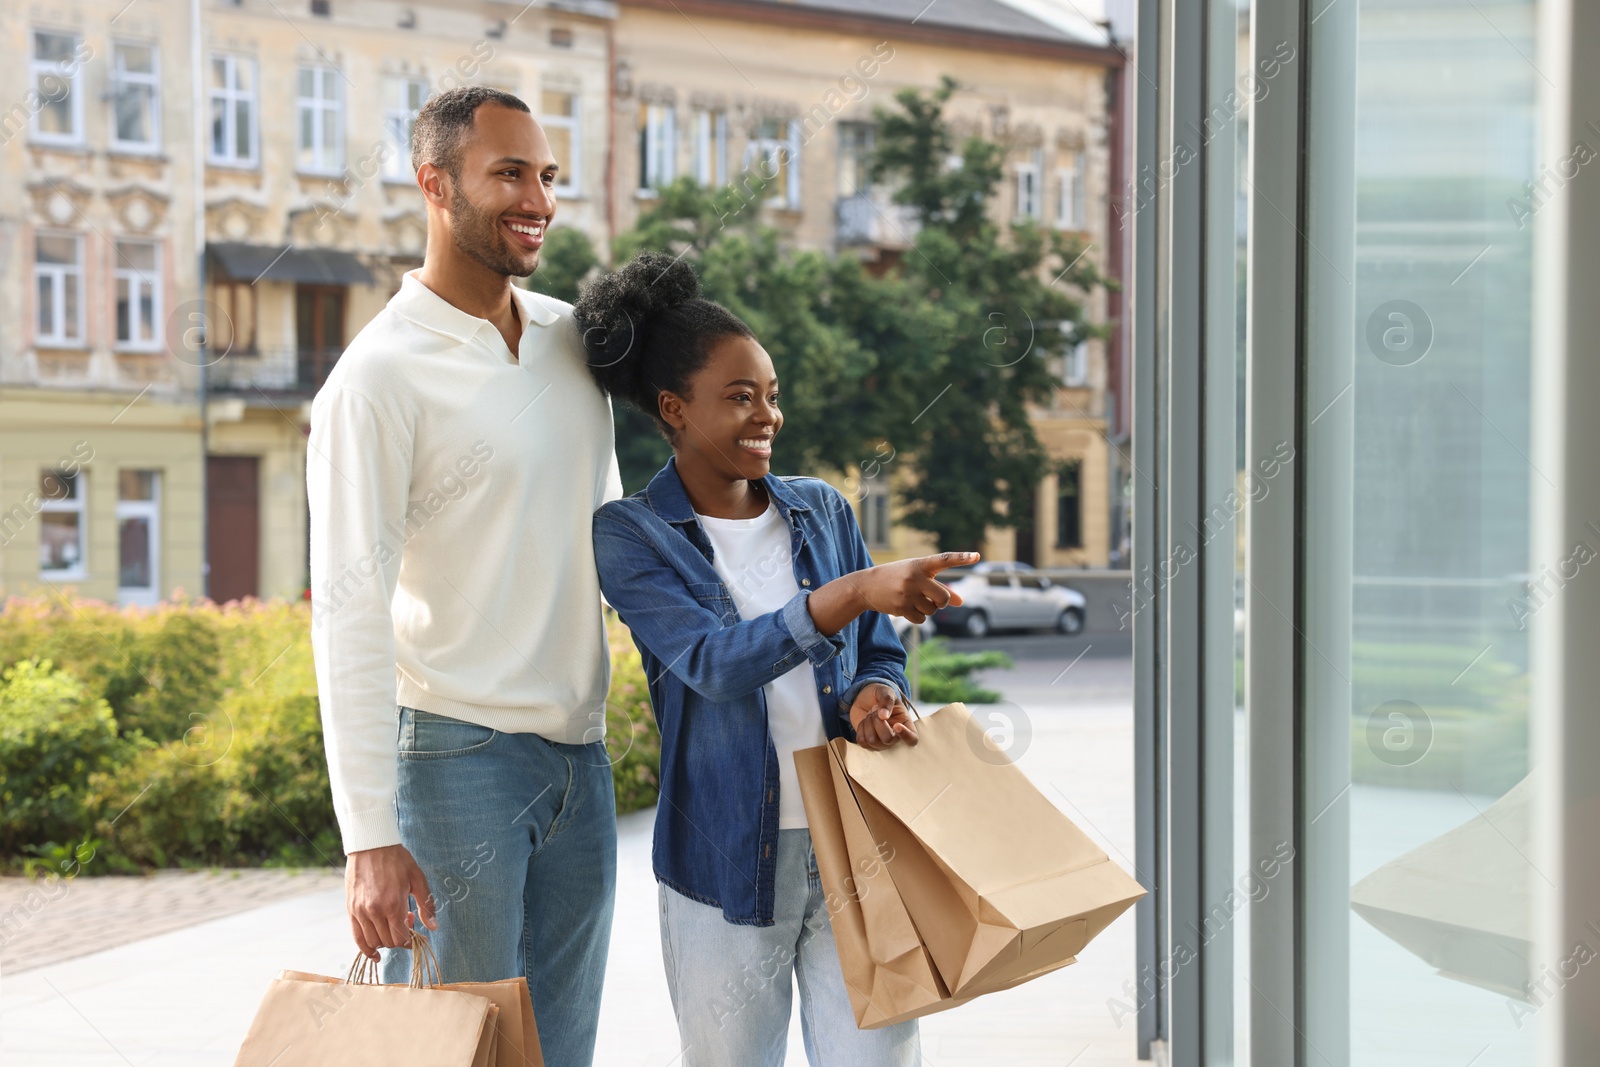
(761, 622)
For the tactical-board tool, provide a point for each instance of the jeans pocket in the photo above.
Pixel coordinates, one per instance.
(425, 735)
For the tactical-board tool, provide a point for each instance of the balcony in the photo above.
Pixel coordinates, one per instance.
(287, 371)
(874, 220)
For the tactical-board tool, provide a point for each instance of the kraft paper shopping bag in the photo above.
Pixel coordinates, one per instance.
(999, 885)
(317, 1021)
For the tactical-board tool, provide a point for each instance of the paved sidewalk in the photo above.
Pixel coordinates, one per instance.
(186, 997)
(47, 920)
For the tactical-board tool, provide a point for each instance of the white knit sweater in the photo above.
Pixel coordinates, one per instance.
(451, 491)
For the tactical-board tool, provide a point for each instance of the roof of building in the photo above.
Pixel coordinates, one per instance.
(978, 17)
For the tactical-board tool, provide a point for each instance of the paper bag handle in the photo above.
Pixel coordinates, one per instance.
(424, 966)
(906, 700)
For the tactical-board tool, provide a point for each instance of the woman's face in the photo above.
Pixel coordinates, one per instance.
(728, 424)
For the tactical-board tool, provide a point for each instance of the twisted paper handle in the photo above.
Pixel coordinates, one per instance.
(424, 966)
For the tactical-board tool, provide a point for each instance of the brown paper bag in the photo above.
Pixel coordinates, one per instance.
(516, 1036)
(315, 1021)
(950, 838)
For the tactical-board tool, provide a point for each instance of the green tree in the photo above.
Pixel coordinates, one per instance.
(1009, 294)
(851, 350)
(564, 262)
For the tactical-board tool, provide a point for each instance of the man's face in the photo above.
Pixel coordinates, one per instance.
(502, 204)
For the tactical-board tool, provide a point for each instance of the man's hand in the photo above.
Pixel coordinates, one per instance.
(879, 718)
(376, 884)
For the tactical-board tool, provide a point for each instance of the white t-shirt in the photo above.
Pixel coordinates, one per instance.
(754, 559)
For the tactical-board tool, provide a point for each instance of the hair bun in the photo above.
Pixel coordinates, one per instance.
(613, 313)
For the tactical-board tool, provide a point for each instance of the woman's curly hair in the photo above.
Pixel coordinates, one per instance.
(646, 329)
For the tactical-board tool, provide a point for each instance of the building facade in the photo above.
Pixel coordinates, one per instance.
(152, 429)
(196, 216)
(727, 91)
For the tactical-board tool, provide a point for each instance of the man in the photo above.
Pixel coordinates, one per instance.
(457, 454)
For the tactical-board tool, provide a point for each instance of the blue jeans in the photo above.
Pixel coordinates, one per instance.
(731, 983)
(518, 838)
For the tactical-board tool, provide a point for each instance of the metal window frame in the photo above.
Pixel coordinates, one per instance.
(1184, 297)
(1565, 438)
(1276, 280)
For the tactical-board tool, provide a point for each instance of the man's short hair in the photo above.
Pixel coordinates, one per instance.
(444, 120)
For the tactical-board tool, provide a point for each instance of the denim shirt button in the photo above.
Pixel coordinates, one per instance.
(805, 581)
(827, 689)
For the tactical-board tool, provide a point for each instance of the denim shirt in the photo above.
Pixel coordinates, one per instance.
(717, 820)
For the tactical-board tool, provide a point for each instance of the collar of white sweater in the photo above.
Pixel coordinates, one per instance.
(421, 305)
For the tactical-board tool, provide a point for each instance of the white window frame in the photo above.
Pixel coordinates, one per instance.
(1030, 199)
(231, 95)
(1071, 213)
(70, 71)
(659, 142)
(397, 124)
(78, 505)
(323, 110)
(567, 178)
(762, 149)
(877, 514)
(138, 282)
(122, 80)
(58, 273)
(862, 188)
(150, 511)
(1075, 365)
(711, 147)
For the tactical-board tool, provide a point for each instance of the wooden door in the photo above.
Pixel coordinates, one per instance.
(233, 526)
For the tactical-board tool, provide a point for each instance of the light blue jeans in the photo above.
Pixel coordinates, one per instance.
(518, 838)
(731, 984)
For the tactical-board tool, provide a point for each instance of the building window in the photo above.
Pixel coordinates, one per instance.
(558, 114)
(657, 146)
(774, 154)
(319, 105)
(1070, 213)
(1069, 505)
(855, 153)
(233, 111)
(56, 67)
(62, 539)
(138, 274)
(404, 98)
(875, 512)
(135, 98)
(1075, 370)
(58, 282)
(1030, 205)
(138, 536)
(711, 148)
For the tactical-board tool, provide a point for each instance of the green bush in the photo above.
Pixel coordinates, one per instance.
(632, 739)
(54, 733)
(190, 735)
(944, 677)
(1476, 720)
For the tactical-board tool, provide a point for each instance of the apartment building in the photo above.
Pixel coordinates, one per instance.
(197, 214)
(152, 430)
(724, 90)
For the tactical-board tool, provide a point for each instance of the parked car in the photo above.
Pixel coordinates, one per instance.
(1009, 596)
